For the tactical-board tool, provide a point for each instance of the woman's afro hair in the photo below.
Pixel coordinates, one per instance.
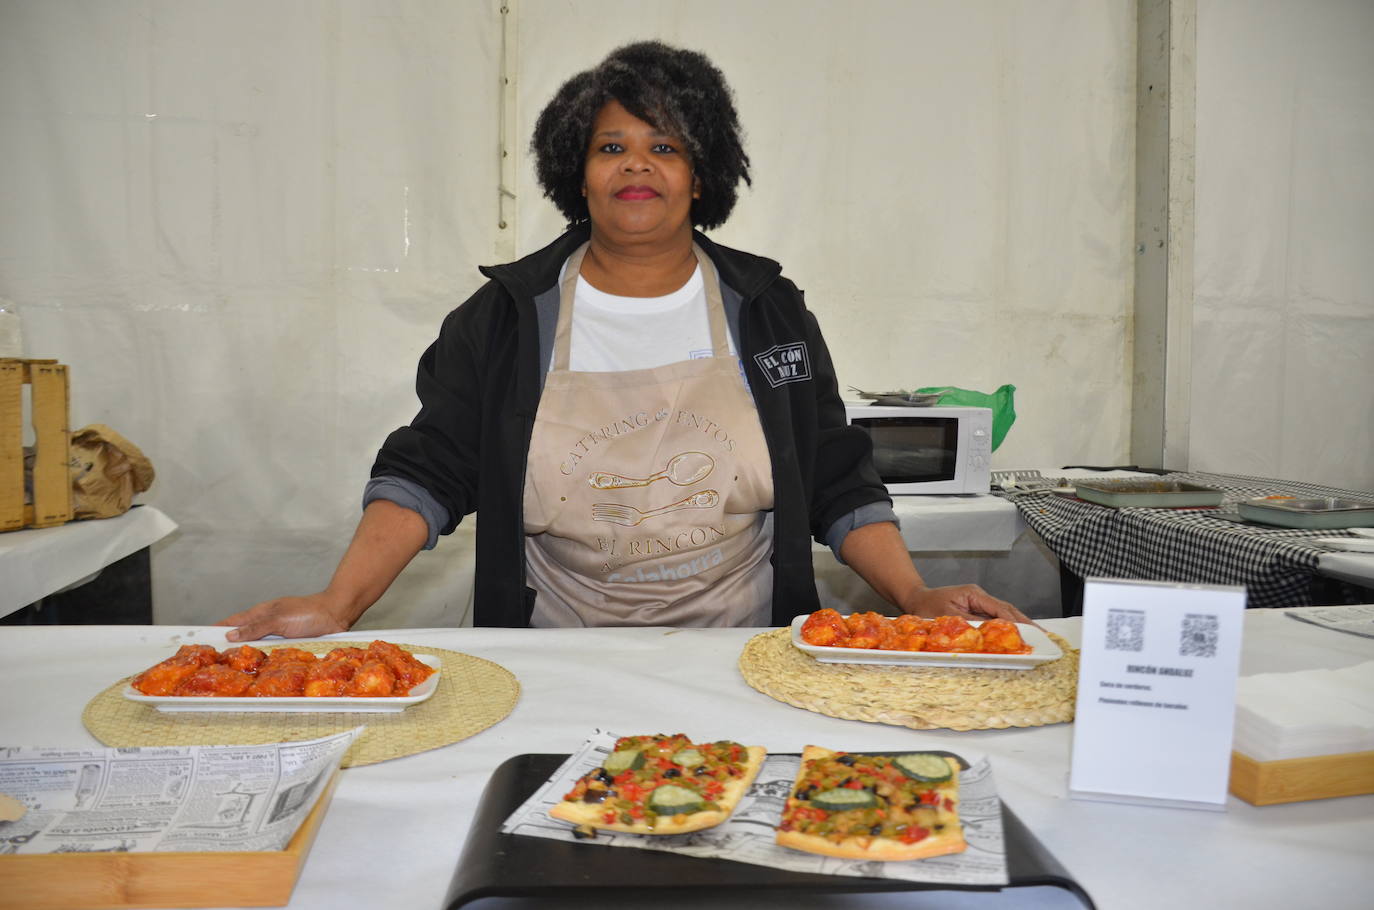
(677, 91)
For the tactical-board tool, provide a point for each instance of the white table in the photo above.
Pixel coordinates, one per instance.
(974, 522)
(1356, 568)
(395, 830)
(40, 561)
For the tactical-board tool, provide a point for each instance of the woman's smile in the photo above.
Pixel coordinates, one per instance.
(636, 193)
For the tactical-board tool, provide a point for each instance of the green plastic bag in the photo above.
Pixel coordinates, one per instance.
(1001, 402)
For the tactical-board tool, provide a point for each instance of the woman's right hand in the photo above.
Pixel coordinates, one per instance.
(289, 617)
(388, 537)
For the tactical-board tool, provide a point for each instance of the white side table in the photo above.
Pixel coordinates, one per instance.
(41, 561)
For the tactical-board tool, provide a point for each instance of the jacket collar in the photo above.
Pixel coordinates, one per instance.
(746, 273)
(531, 275)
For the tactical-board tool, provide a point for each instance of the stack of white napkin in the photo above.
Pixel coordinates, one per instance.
(1312, 712)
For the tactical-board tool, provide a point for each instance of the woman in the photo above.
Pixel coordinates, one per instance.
(648, 423)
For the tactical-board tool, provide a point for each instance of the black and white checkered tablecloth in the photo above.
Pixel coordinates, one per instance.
(1276, 565)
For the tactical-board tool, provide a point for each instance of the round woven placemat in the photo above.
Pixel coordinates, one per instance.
(923, 698)
(472, 695)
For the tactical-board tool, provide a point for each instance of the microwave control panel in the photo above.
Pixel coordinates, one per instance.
(980, 449)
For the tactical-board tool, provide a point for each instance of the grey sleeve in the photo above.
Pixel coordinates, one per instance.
(410, 495)
(872, 513)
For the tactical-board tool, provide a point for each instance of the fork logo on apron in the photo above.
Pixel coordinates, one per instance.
(646, 491)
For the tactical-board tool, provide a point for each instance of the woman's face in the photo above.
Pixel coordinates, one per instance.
(638, 180)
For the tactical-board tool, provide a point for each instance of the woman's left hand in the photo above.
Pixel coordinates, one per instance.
(968, 601)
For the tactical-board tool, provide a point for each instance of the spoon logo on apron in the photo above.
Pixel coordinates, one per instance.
(683, 470)
(668, 478)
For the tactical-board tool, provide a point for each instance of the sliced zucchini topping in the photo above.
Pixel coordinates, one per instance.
(924, 766)
(688, 758)
(841, 799)
(624, 760)
(670, 799)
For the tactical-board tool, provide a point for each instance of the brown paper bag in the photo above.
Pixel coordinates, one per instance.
(107, 470)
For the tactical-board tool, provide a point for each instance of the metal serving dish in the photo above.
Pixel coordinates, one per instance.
(1147, 494)
(1323, 513)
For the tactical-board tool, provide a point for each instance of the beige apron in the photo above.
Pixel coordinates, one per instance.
(647, 491)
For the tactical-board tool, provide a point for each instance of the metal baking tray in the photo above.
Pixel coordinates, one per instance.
(1323, 513)
(1147, 494)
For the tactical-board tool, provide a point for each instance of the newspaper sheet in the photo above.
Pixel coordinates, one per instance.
(747, 836)
(1357, 619)
(164, 798)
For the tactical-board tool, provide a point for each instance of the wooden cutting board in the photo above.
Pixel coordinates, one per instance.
(1293, 780)
(87, 881)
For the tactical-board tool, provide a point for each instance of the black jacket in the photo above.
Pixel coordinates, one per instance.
(479, 386)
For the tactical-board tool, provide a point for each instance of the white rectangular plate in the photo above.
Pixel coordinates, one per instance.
(1043, 650)
(296, 705)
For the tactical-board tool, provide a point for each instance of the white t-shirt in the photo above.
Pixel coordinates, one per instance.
(611, 333)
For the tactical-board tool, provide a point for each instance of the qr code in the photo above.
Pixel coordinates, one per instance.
(1199, 638)
(1125, 630)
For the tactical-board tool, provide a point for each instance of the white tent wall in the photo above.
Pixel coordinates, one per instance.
(1283, 344)
(950, 183)
(240, 224)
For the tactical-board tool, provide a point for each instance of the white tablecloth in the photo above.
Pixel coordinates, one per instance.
(395, 830)
(1356, 568)
(971, 523)
(40, 561)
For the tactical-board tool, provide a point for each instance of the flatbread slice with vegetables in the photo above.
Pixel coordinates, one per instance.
(895, 807)
(662, 785)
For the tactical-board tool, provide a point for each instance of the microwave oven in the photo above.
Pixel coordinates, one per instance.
(928, 450)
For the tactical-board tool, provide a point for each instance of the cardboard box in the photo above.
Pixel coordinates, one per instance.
(48, 400)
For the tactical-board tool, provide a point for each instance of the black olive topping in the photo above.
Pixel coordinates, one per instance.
(672, 772)
(603, 775)
(594, 796)
(876, 830)
(701, 769)
(846, 759)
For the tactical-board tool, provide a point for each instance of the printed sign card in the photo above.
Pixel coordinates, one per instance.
(1156, 693)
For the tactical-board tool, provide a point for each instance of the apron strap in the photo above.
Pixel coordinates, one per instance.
(562, 335)
(715, 309)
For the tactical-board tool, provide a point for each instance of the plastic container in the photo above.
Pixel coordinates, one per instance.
(11, 332)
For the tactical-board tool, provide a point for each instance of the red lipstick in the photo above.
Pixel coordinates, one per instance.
(636, 193)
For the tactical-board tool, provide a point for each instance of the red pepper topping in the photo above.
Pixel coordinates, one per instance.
(914, 833)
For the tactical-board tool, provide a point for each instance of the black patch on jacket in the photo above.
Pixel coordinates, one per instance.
(785, 363)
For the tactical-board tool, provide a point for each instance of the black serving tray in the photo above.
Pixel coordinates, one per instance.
(496, 865)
